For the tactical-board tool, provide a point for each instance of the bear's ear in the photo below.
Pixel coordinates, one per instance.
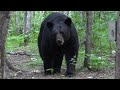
(68, 21)
(49, 24)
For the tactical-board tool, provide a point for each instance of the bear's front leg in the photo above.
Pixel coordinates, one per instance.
(71, 61)
(58, 63)
(48, 67)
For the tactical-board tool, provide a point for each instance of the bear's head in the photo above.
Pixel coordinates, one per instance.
(60, 30)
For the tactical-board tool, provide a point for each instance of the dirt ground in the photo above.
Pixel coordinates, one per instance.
(20, 61)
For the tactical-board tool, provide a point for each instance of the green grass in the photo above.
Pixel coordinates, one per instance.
(98, 62)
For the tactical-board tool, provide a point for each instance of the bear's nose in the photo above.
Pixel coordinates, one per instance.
(59, 42)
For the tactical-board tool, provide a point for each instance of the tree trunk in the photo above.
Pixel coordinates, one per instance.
(27, 27)
(88, 38)
(17, 23)
(81, 18)
(4, 25)
(117, 63)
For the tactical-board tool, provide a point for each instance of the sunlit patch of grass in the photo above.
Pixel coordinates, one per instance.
(98, 63)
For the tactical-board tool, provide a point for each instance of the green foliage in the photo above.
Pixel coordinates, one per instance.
(98, 63)
(14, 42)
(19, 14)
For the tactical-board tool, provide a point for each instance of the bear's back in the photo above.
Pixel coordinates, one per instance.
(55, 16)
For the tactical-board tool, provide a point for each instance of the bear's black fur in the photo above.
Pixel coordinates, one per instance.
(58, 37)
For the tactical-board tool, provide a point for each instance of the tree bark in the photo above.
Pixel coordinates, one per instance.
(4, 25)
(81, 19)
(27, 27)
(17, 23)
(88, 39)
(117, 62)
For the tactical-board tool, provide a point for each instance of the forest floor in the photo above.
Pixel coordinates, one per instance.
(36, 72)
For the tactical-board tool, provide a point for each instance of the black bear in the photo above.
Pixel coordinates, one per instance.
(58, 37)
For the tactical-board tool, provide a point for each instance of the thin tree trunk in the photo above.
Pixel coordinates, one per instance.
(88, 38)
(81, 19)
(17, 23)
(4, 25)
(27, 27)
(117, 63)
